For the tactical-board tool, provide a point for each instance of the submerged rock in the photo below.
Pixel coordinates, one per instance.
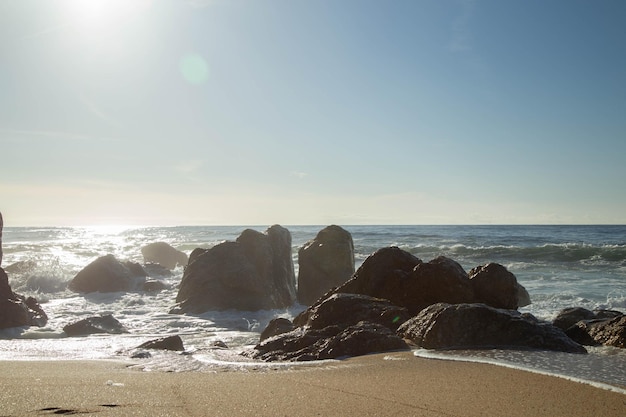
(107, 274)
(164, 254)
(94, 325)
(254, 273)
(324, 263)
(477, 326)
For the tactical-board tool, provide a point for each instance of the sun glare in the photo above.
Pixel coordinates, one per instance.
(94, 14)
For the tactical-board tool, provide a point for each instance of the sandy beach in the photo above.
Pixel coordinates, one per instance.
(396, 384)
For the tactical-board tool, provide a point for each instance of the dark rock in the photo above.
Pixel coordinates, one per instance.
(142, 354)
(345, 310)
(324, 263)
(303, 343)
(494, 285)
(277, 326)
(218, 344)
(475, 326)
(609, 332)
(154, 286)
(406, 281)
(92, 325)
(568, 317)
(1, 226)
(165, 343)
(17, 310)
(107, 274)
(253, 273)
(340, 325)
(164, 254)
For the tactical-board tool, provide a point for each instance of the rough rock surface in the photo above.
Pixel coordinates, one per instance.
(254, 273)
(17, 310)
(1, 226)
(469, 326)
(277, 326)
(166, 343)
(164, 254)
(324, 263)
(337, 326)
(609, 332)
(303, 343)
(107, 274)
(494, 285)
(93, 325)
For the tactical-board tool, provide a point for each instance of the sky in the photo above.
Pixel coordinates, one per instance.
(256, 112)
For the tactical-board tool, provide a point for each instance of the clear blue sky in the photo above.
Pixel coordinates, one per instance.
(312, 112)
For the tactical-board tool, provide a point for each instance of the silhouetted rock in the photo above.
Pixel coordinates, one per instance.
(94, 325)
(17, 310)
(406, 281)
(494, 285)
(166, 343)
(609, 332)
(107, 274)
(253, 273)
(153, 286)
(472, 326)
(324, 263)
(164, 254)
(1, 226)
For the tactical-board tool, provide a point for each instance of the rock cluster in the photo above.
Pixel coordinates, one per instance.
(395, 297)
(593, 328)
(17, 310)
(253, 273)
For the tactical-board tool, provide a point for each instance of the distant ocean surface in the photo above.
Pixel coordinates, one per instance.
(560, 266)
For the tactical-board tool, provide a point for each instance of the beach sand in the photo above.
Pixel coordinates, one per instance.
(396, 384)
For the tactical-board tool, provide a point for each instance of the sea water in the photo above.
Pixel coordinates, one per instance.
(560, 266)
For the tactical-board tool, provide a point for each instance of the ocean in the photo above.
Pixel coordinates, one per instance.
(560, 266)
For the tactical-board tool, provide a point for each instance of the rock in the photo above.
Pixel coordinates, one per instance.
(609, 332)
(154, 286)
(337, 326)
(166, 343)
(164, 254)
(494, 285)
(406, 281)
(107, 274)
(568, 317)
(345, 310)
(1, 226)
(476, 326)
(275, 327)
(17, 310)
(253, 273)
(324, 263)
(303, 343)
(92, 325)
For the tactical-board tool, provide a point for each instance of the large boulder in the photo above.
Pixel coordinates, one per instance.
(17, 310)
(254, 273)
(324, 263)
(94, 325)
(494, 285)
(164, 254)
(337, 326)
(475, 326)
(107, 274)
(396, 275)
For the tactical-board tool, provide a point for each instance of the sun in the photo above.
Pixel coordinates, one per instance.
(92, 15)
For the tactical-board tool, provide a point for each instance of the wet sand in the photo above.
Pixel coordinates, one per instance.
(396, 384)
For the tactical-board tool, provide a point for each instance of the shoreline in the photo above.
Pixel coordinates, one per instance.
(395, 383)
